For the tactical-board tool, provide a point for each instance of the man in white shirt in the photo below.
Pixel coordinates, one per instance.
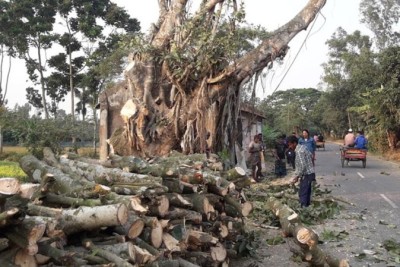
(349, 138)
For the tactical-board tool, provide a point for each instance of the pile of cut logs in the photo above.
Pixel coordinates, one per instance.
(181, 210)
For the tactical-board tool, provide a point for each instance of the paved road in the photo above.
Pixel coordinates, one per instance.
(376, 186)
(375, 215)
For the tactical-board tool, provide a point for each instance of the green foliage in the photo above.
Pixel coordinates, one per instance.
(286, 110)
(11, 156)
(36, 133)
(224, 154)
(393, 247)
(333, 236)
(269, 136)
(11, 169)
(277, 240)
(247, 244)
(382, 17)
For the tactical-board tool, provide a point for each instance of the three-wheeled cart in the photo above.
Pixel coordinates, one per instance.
(348, 154)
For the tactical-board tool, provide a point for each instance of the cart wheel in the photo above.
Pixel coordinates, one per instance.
(364, 163)
(342, 159)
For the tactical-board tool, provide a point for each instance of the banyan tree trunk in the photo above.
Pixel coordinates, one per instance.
(161, 105)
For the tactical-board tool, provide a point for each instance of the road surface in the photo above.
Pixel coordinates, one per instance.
(375, 215)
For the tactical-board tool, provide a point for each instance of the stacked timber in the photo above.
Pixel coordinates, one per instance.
(126, 211)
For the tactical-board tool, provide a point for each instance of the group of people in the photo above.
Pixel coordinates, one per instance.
(299, 153)
(359, 141)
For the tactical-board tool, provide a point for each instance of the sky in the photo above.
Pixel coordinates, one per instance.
(305, 70)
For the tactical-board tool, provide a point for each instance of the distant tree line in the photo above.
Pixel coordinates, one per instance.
(360, 86)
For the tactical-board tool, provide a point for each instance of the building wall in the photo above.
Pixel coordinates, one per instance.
(250, 130)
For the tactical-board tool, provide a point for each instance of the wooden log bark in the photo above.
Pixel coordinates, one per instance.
(124, 250)
(243, 209)
(51, 178)
(6, 215)
(71, 201)
(202, 204)
(180, 187)
(106, 176)
(60, 256)
(107, 255)
(4, 243)
(170, 242)
(144, 245)
(27, 233)
(188, 215)
(90, 218)
(305, 237)
(178, 200)
(157, 206)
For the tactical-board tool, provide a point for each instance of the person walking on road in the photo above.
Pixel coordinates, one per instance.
(304, 171)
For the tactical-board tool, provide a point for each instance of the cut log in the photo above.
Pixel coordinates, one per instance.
(178, 200)
(29, 190)
(106, 176)
(202, 204)
(234, 174)
(60, 256)
(143, 256)
(26, 234)
(198, 238)
(158, 206)
(124, 250)
(90, 218)
(24, 259)
(57, 182)
(218, 252)
(9, 186)
(306, 238)
(6, 215)
(107, 255)
(170, 242)
(144, 245)
(180, 187)
(71, 201)
(133, 227)
(188, 215)
(243, 209)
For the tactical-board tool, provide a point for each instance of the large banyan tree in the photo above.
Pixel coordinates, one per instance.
(184, 79)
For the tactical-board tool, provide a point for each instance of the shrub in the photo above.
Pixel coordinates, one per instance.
(12, 169)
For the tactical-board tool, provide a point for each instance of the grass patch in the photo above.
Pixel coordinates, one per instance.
(12, 169)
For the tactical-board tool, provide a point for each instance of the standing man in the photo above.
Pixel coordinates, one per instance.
(349, 138)
(309, 142)
(304, 170)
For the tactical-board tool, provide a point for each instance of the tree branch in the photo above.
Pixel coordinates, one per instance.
(169, 23)
(269, 49)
